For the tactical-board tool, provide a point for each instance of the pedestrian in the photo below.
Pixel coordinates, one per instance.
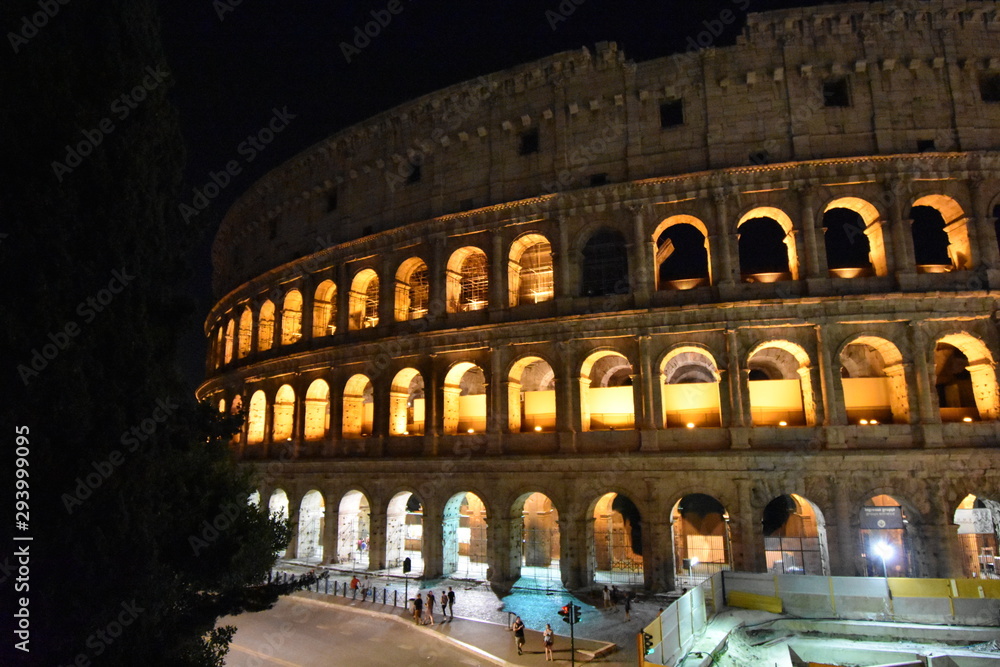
(628, 606)
(364, 588)
(429, 607)
(548, 638)
(354, 585)
(451, 603)
(518, 629)
(615, 594)
(607, 598)
(418, 608)
(444, 604)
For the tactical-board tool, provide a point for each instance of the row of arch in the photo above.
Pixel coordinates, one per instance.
(792, 531)
(873, 384)
(681, 247)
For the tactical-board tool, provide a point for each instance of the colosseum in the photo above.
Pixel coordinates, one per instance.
(590, 321)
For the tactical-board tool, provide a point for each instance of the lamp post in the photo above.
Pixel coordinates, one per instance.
(884, 551)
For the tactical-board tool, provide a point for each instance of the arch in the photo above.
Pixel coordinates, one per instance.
(885, 531)
(254, 498)
(412, 290)
(325, 309)
(311, 512)
(530, 270)
(682, 253)
(353, 529)
(607, 398)
(537, 540)
(795, 537)
(291, 317)
(690, 395)
(940, 234)
(284, 414)
(358, 407)
(245, 333)
(404, 532)
(966, 379)
(265, 327)
(874, 381)
(468, 280)
(407, 403)
(464, 537)
(531, 396)
(217, 345)
(699, 525)
(222, 405)
(762, 257)
(871, 228)
(229, 339)
(237, 405)
(780, 385)
(256, 418)
(277, 505)
(317, 424)
(604, 264)
(616, 541)
(364, 300)
(464, 399)
(978, 520)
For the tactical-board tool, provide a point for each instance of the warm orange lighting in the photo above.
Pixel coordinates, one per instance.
(690, 424)
(538, 428)
(782, 423)
(967, 419)
(863, 422)
(873, 422)
(472, 430)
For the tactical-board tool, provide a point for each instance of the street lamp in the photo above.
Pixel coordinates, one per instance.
(691, 563)
(884, 551)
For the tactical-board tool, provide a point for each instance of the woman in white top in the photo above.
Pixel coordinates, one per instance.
(547, 638)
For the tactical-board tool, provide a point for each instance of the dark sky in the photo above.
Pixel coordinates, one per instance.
(233, 63)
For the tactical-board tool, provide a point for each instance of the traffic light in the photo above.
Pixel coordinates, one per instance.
(647, 642)
(564, 612)
(570, 613)
(576, 612)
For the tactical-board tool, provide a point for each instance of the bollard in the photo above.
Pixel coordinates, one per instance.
(326, 586)
(385, 591)
(394, 594)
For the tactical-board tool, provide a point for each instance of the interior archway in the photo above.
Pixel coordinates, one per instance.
(700, 527)
(464, 537)
(353, 530)
(795, 537)
(311, 512)
(404, 533)
(617, 542)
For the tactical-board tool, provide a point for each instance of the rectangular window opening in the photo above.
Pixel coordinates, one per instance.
(416, 173)
(672, 113)
(836, 93)
(989, 87)
(925, 145)
(331, 201)
(529, 141)
(598, 179)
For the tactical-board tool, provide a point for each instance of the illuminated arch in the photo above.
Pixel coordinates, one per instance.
(773, 366)
(317, 410)
(412, 290)
(616, 535)
(291, 317)
(364, 300)
(955, 223)
(530, 270)
(785, 223)
(284, 413)
(699, 525)
(982, 375)
(358, 407)
(265, 327)
(354, 529)
(256, 418)
(531, 396)
(407, 403)
(540, 552)
(889, 531)
(675, 249)
(230, 326)
(795, 537)
(607, 398)
(464, 536)
(690, 394)
(874, 380)
(467, 280)
(325, 309)
(404, 532)
(312, 509)
(464, 401)
(872, 230)
(278, 505)
(245, 336)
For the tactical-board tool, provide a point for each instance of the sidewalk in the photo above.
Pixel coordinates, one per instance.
(492, 642)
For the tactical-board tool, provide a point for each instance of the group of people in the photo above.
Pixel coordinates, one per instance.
(614, 596)
(423, 607)
(548, 637)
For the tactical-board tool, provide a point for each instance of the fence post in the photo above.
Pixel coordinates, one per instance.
(394, 594)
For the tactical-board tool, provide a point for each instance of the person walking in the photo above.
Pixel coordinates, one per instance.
(354, 586)
(518, 629)
(451, 603)
(615, 594)
(607, 598)
(418, 608)
(548, 638)
(444, 606)
(628, 606)
(429, 607)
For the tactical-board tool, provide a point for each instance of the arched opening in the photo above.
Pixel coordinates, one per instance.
(468, 280)
(607, 399)
(217, 345)
(766, 246)
(531, 396)
(539, 541)
(284, 413)
(317, 410)
(464, 399)
(530, 270)
(978, 520)
(222, 405)
(966, 380)
(229, 342)
(364, 300)
(795, 537)
(780, 385)
(359, 407)
(277, 506)
(245, 333)
(265, 327)
(254, 498)
(404, 533)
(885, 539)
(940, 235)
(874, 381)
(844, 240)
(464, 534)
(406, 403)
(700, 528)
(604, 265)
(682, 253)
(291, 318)
(353, 530)
(325, 309)
(617, 543)
(412, 290)
(235, 409)
(256, 417)
(311, 513)
(690, 390)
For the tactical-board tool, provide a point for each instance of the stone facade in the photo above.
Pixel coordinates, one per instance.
(494, 289)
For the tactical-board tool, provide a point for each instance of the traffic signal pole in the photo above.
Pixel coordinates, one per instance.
(572, 636)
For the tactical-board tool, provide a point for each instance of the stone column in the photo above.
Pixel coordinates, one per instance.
(432, 407)
(834, 412)
(573, 552)
(498, 278)
(567, 385)
(747, 554)
(651, 416)
(983, 222)
(432, 544)
(438, 283)
(336, 413)
(386, 294)
(562, 261)
(331, 527)
(901, 229)
(503, 546)
(254, 329)
(725, 255)
(812, 235)
(945, 533)
(657, 555)
(298, 422)
(343, 299)
(923, 381)
(294, 508)
(308, 290)
(641, 252)
(735, 393)
(844, 558)
(377, 523)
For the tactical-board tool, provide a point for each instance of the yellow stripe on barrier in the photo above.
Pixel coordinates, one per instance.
(920, 588)
(970, 588)
(754, 601)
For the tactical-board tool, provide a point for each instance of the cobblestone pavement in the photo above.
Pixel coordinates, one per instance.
(475, 600)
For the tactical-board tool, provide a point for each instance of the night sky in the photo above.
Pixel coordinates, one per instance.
(235, 61)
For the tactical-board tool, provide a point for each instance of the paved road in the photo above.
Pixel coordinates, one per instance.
(301, 633)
